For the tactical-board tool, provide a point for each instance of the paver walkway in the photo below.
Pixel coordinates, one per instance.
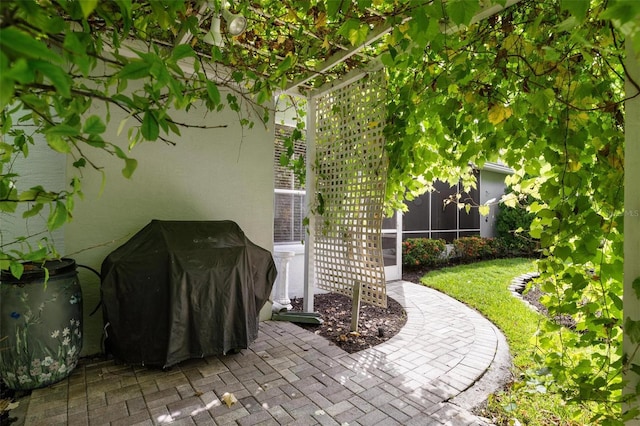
(292, 376)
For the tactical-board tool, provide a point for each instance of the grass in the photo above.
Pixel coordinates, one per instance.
(484, 286)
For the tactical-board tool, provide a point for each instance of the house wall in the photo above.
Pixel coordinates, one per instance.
(492, 186)
(42, 167)
(218, 174)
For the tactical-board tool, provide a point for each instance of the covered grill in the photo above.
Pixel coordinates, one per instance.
(184, 289)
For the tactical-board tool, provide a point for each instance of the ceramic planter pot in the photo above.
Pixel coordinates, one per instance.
(40, 325)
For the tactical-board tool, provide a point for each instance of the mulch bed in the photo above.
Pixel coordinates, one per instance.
(376, 324)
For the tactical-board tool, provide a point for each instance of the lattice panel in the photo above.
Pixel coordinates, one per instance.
(351, 169)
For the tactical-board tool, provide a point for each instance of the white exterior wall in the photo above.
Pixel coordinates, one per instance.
(42, 167)
(491, 186)
(217, 174)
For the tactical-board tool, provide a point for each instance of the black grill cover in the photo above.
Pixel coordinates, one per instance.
(179, 290)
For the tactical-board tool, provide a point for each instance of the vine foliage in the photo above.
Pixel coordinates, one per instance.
(540, 87)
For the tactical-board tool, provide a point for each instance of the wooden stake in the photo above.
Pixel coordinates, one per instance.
(355, 310)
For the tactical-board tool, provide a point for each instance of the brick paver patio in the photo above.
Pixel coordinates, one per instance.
(294, 377)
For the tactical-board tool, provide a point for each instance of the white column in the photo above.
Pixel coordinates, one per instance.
(281, 291)
(631, 217)
(310, 186)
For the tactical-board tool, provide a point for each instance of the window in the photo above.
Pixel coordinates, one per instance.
(289, 195)
(430, 217)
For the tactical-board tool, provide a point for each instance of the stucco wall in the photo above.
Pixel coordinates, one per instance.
(42, 167)
(214, 174)
(491, 186)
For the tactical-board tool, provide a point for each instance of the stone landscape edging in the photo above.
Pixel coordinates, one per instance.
(518, 285)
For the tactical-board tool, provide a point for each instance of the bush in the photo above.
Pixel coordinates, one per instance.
(469, 248)
(423, 252)
(509, 221)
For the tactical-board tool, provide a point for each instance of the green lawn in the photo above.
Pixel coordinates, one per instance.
(484, 286)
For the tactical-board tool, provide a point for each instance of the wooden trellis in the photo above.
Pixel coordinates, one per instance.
(350, 170)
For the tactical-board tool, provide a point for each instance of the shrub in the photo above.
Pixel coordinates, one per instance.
(423, 251)
(468, 248)
(512, 227)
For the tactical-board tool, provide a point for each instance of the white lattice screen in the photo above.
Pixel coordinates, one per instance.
(351, 169)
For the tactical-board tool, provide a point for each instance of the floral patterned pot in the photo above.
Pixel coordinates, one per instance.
(40, 325)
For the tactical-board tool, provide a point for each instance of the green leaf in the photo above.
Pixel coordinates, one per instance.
(62, 130)
(30, 194)
(150, 128)
(7, 90)
(350, 26)
(119, 152)
(77, 52)
(88, 6)
(12, 39)
(484, 210)
(535, 231)
(320, 203)
(461, 11)
(286, 64)
(636, 287)
(213, 92)
(263, 96)
(130, 165)
(563, 252)
(238, 76)
(182, 51)
(95, 141)
(58, 143)
(72, 43)
(46, 197)
(358, 36)
(33, 211)
(58, 216)
(577, 8)
(56, 75)
(333, 7)
(37, 255)
(568, 24)
(134, 70)
(8, 206)
(617, 301)
(621, 11)
(540, 99)
(632, 329)
(94, 125)
(17, 269)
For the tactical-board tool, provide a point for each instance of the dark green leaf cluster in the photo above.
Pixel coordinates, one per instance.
(423, 251)
(512, 227)
(432, 252)
(472, 248)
